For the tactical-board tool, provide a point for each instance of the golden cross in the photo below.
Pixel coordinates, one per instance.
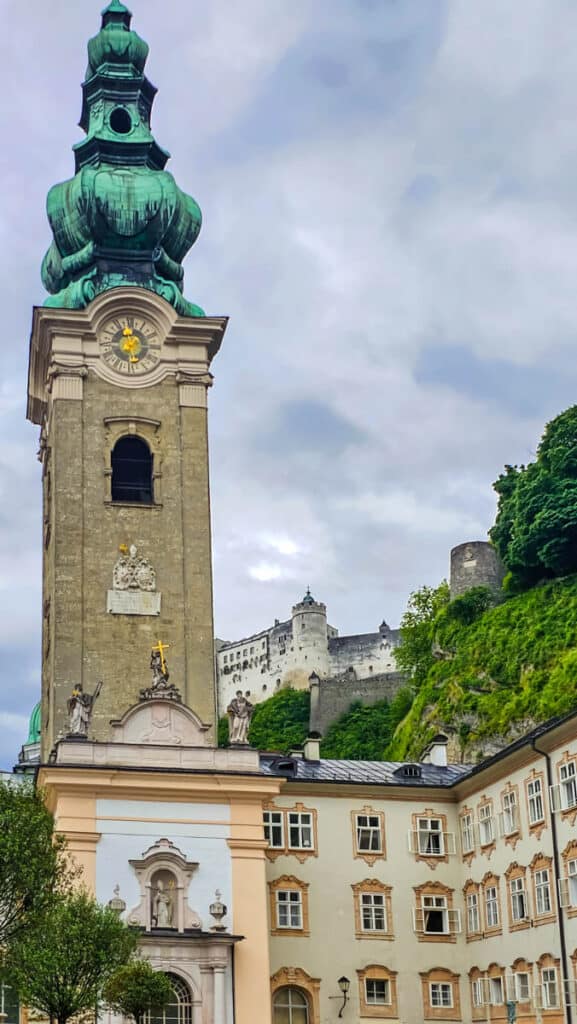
(161, 648)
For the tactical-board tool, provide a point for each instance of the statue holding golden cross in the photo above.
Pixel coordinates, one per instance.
(158, 664)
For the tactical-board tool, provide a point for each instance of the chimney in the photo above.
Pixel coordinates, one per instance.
(312, 747)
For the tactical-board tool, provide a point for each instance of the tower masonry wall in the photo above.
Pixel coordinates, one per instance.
(475, 564)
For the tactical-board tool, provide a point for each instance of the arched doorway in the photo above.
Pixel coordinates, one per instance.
(179, 1009)
(290, 1005)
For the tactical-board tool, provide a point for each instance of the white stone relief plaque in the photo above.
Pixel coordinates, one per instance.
(133, 602)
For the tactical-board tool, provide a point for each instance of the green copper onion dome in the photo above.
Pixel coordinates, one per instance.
(122, 219)
(34, 725)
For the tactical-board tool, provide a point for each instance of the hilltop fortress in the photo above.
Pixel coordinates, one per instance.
(306, 652)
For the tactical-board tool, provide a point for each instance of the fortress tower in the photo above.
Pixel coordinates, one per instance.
(310, 634)
(475, 564)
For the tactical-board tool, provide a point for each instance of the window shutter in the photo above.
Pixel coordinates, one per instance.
(413, 839)
(564, 894)
(501, 824)
(450, 845)
(555, 798)
(510, 987)
(455, 922)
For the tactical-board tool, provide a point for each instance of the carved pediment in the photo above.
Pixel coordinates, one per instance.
(161, 722)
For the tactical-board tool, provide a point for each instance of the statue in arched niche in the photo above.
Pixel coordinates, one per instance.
(162, 905)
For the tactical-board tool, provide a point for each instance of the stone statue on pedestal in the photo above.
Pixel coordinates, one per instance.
(160, 688)
(239, 711)
(80, 706)
(163, 907)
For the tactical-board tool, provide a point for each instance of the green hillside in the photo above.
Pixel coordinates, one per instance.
(494, 677)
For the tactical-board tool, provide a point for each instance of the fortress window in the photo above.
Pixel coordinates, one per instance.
(132, 471)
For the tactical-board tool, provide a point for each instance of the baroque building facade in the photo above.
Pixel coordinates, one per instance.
(270, 889)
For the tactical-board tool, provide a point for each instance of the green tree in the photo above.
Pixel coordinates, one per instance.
(33, 862)
(136, 989)
(363, 732)
(535, 531)
(414, 654)
(60, 967)
(281, 723)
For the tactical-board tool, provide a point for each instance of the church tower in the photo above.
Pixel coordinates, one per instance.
(118, 381)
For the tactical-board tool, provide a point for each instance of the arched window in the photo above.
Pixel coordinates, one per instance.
(179, 1009)
(132, 471)
(290, 1006)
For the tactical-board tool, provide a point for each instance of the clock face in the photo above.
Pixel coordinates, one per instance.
(130, 345)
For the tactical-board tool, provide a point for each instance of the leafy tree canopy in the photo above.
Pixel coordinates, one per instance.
(535, 531)
(363, 732)
(33, 862)
(59, 968)
(414, 654)
(136, 989)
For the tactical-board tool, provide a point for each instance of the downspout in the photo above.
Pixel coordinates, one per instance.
(560, 915)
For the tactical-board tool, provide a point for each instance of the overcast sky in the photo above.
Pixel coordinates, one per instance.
(390, 221)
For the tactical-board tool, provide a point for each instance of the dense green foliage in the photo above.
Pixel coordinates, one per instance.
(136, 989)
(513, 663)
(535, 531)
(59, 968)
(364, 732)
(33, 863)
(414, 656)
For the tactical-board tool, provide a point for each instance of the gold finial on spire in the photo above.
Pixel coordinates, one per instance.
(160, 649)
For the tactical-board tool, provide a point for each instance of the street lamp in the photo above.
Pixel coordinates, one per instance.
(344, 985)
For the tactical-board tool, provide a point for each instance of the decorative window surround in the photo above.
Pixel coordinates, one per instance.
(473, 911)
(509, 817)
(542, 878)
(368, 995)
(517, 897)
(568, 884)
(549, 989)
(563, 796)
(477, 984)
(491, 902)
(368, 830)
(372, 887)
(133, 426)
(300, 828)
(535, 803)
(486, 825)
(434, 919)
(434, 986)
(164, 861)
(467, 834)
(295, 977)
(289, 884)
(429, 840)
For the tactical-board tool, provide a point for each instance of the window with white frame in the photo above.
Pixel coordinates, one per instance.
(522, 987)
(431, 841)
(441, 993)
(518, 899)
(373, 912)
(289, 908)
(568, 785)
(543, 891)
(377, 992)
(535, 801)
(274, 829)
(467, 833)
(549, 988)
(369, 833)
(496, 991)
(300, 830)
(492, 906)
(435, 915)
(572, 882)
(509, 815)
(473, 924)
(486, 829)
(477, 992)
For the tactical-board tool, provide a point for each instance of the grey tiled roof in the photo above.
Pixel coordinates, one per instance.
(387, 773)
